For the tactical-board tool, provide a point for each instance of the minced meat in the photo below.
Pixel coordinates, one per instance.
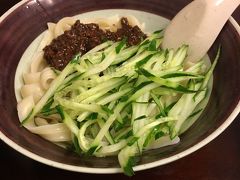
(83, 37)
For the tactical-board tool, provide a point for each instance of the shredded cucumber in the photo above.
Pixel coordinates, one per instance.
(118, 100)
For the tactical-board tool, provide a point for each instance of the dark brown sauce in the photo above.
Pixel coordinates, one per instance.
(83, 37)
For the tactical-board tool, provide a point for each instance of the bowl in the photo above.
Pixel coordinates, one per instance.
(26, 20)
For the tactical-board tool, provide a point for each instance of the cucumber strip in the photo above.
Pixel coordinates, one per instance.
(96, 96)
(126, 68)
(140, 110)
(122, 133)
(179, 56)
(151, 37)
(80, 106)
(210, 71)
(164, 91)
(135, 59)
(171, 69)
(162, 142)
(94, 56)
(159, 104)
(154, 44)
(68, 121)
(79, 68)
(83, 116)
(125, 54)
(82, 140)
(169, 58)
(69, 79)
(121, 45)
(111, 149)
(185, 78)
(94, 129)
(99, 56)
(106, 126)
(84, 83)
(47, 106)
(114, 96)
(76, 146)
(164, 82)
(97, 68)
(155, 122)
(158, 64)
(100, 94)
(140, 141)
(196, 67)
(105, 101)
(109, 70)
(101, 87)
(174, 74)
(151, 107)
(143, 90)
(83, 64)
(73, 114)
(111, 105)
(123, 116)
(125, 158)
(143, 61)
(181, 76)
(183, 109)
(99, 47)
(159, 42)
(107, 135)
(158, 57)
(190, 120)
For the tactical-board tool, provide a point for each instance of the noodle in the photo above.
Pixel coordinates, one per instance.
(38, 63)
(63, 25)
(30, 78)
(33, 90)
(46, 77)
(25, 106)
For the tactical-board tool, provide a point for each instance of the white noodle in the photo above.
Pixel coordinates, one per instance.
(63, 25)
(53, 132)
(47, 76)
(24, 107)
(34, 90)
(30, 78)
(38, 63)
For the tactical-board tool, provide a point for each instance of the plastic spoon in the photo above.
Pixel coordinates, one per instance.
(198, 25)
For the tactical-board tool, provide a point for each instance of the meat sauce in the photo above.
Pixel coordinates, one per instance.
(83, 37)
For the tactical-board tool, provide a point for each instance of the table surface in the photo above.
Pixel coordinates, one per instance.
(219, 160)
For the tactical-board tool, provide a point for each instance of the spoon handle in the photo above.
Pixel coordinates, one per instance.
(198, 25)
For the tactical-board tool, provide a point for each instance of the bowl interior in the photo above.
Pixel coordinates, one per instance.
(23, 25)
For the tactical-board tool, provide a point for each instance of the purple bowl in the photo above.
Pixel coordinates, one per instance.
(26, 20)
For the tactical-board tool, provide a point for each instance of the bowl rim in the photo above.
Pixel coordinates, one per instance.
(192, 149)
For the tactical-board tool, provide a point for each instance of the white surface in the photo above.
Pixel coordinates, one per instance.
(116, 170)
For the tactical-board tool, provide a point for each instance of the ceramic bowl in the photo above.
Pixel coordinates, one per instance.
(26, 20)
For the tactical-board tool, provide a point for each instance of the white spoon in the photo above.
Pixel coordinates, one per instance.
(198, 25)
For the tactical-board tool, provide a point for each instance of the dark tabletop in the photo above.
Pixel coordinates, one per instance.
(219, 160)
